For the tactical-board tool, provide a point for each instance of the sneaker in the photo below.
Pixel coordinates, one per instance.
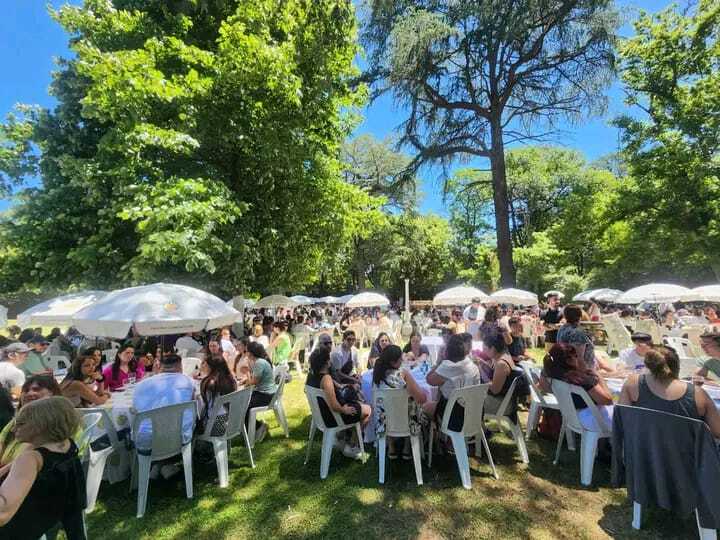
(168, 471)
(260, 433)
(155, 472)
(352, 452)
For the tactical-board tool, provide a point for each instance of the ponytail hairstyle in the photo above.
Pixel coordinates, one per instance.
(257, 350)
(663, 363)
(384, 363)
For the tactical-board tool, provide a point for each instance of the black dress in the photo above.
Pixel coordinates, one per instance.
(56, 496)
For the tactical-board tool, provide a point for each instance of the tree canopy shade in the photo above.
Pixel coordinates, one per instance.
(195, 141)
(477, 75)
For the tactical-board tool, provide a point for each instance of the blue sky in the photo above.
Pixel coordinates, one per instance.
(30, 39)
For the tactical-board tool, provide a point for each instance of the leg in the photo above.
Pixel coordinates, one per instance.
(221, 460)
(251, 426)
(532, 420)
(249, 449)
(487, 451)
(94, 477)
(143, 477)
(520, 441)
(382, 446)
(417, 458)
(705, 534)
(570, 436)
(431, 438)
(458, 442)
(281, 418)
(187, 467)
(637, 516)
(310, 440)
(563, 428)
(588, 449)
(326, 454)
(360, 439)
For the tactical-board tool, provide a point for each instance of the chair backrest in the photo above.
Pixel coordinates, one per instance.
(618, 335)
(693, 336)
(681, 346)
(472, 398)
(313, 395)
(57, 362)
(298, 345)
(182, 353)
(563, 392)
(504, 407)
(190, 365)
(235, 405)
(280, 374)
(167, 427)
(649, 326)
(106, 423)
(109, 354)
(533, 379)
(90, 422)
(394, 402)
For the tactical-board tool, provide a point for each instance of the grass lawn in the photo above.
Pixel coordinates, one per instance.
(283, 499)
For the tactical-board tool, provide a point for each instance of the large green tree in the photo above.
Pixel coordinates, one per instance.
(477, 75)
(671, 72)
(195, 141)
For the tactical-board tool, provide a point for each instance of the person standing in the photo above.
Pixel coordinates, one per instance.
(473, 315)
(551, 318)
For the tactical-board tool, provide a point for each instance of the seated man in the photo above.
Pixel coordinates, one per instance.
(168, 387)
(710, 364)
(35, 363)
(344, 359)
(633, 358)
(11, 377)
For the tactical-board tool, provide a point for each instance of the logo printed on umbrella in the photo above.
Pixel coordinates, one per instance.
(171, 306)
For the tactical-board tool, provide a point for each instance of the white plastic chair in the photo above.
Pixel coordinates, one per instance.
(98, 458)
(502, 417)
(397, 424)
(167, 441)
(57, 362)
(275, 405)
(329, 433)
(527, 332)
(649, 326)
(472, 398)
(299, 345)
(618, 336)
(109, 354)
(190, 365)
(235, 406)
(538, 399)
(570, 421)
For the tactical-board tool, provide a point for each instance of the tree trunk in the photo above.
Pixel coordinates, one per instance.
(500, 200)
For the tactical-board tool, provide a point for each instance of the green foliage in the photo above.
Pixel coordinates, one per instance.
(194, 141)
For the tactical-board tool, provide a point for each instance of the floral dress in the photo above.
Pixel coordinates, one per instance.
(393, 379)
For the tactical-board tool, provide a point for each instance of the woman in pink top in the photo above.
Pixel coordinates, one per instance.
(116, 375)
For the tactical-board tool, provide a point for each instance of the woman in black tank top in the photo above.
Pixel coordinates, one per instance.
(46, 484)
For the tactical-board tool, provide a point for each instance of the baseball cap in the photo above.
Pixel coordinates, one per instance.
(17, 348)
(642, 337)
(38, 340)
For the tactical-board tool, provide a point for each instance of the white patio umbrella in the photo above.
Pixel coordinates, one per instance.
(367, 299)
(515, 296)
(154, 310)
(344, 299)
(458, 296)
(59, 311)
(303, 300)
(276, 301)
(706, 293)
(3, 316)
(653, 293)
(327, 300)
(247, 303)
(606, 295)
(557, 293)
(584, 296)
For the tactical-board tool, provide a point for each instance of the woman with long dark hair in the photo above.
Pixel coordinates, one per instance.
(218, 382)
(80, 386)
(382, 341)
(262, 377)
(124, 367)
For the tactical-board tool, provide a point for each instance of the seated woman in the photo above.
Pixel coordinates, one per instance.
(45, 484)
(563, 363)
(415, 352)
(456, 371)
(661, 390)
(218, 382)
(125, 366)
(80, 385)
(241, 369)
(382, 341)
(351, 410)
(387, 374)
(35, 387)
(263, 378)
(499, 371)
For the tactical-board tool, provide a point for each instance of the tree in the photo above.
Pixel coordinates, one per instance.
(476, 76)
(195, 141)
(670, 70)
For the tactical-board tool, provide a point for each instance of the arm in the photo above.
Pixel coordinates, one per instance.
(629, 392)
(81, 389)
(600, 393)
(413, 389)
(708, 411)
(502, 370)
(544, 384)
(15, 488)
(433, 379)
(329, 389)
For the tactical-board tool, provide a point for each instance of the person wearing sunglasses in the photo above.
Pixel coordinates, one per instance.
(345, 357)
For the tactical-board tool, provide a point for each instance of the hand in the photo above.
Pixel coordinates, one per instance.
(4, 470)
(347, 409)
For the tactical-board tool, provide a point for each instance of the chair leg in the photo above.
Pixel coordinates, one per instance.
(281, 418)
(458, 442)
(588, 449)
(417, 458)
(381, 446)
(705, 534)
(361, 444)
(520, 441)
(326, 454)
(187, 466)
(487, 451)
(251, 427)
(637, 516)
(221, 460)
(431, 440)
(532, 420)
(310, 440)
(94, 477)
(570, 437)
(561, 437)
(143, 478)
(249, 449)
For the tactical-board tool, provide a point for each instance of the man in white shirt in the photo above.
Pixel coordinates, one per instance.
(11, 376)
(473, 315)
(168, 387)
(633, 358)
(188, 344)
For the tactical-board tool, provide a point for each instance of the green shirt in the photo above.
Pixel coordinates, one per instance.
(282, 349)
(711, 364)
(263, 374)
(33, 364)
